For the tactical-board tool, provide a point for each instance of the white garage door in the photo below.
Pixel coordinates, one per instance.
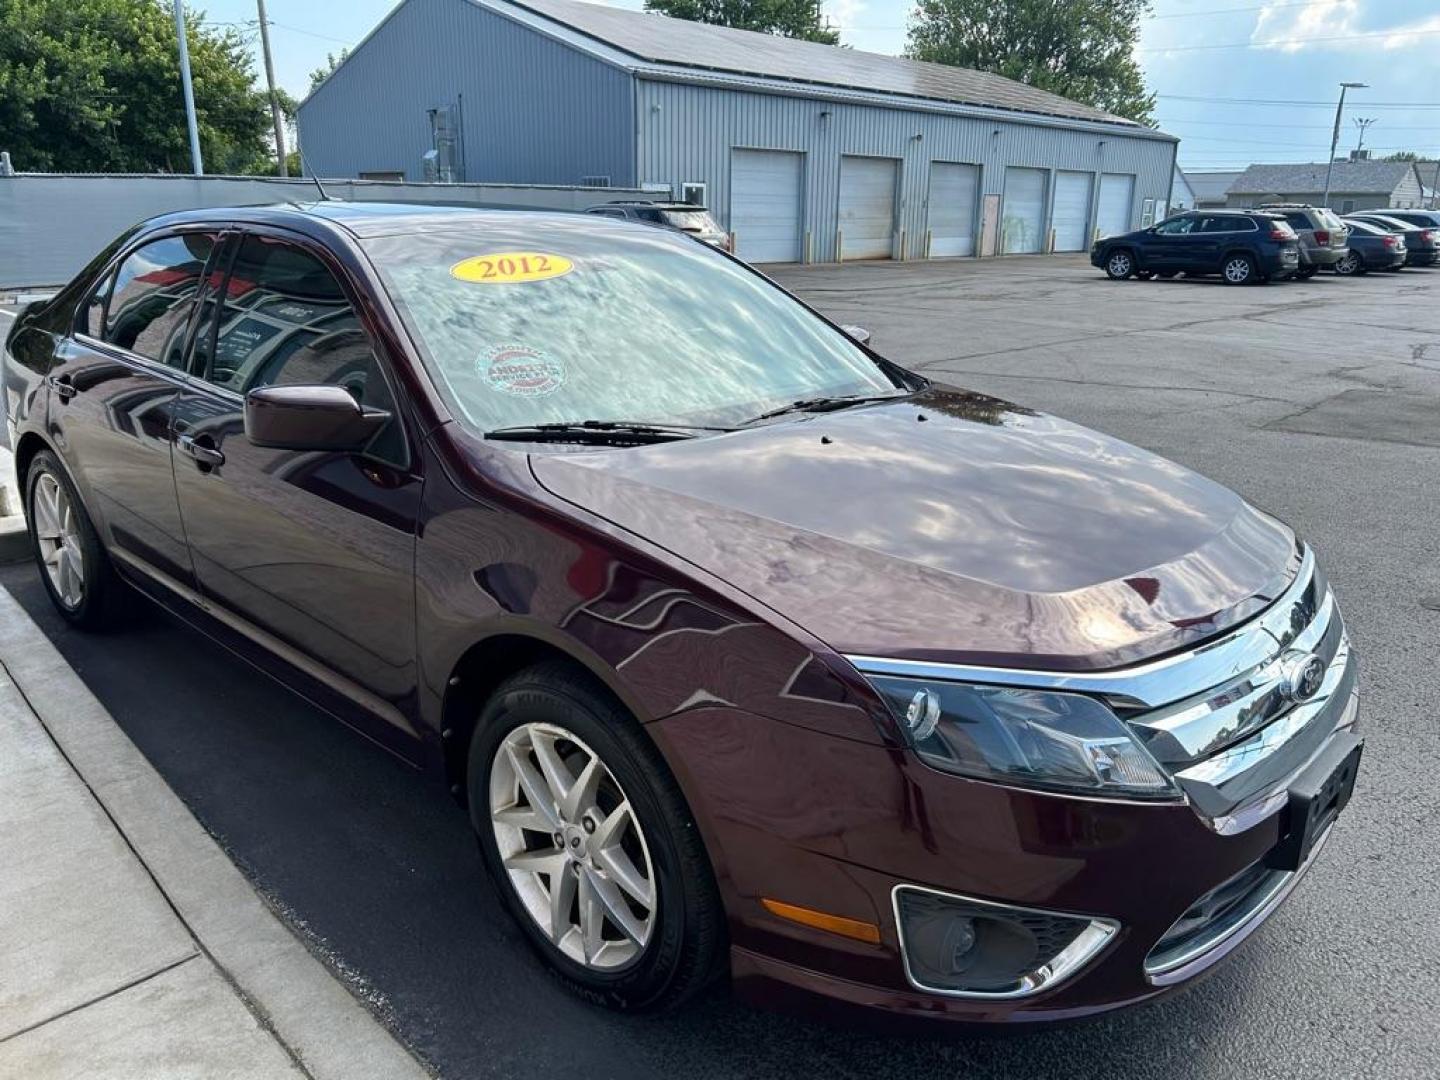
(1072, 211)
(765, 205)
(867, 207)
(952, 208)
(1117, 195)
(1022, 220)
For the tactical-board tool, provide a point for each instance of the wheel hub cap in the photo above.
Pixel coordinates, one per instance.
(57, 534)
(572, 846)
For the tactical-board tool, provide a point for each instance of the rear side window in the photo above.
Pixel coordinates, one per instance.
(153, 295)
(1177, 226)
(1297, 220)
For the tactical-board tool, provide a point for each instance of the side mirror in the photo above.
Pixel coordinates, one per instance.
(309, 418)
(859, 333)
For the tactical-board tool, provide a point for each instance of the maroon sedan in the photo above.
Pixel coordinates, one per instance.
(748, 651)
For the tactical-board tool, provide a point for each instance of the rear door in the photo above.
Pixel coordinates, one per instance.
(309, 554)
(114, 390)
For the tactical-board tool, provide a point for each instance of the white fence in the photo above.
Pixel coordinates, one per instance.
(52, 225)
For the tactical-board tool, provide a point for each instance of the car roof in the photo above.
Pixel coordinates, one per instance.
(364, 220)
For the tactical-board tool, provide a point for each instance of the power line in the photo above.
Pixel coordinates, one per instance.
(1418, 105)
(310, 33)
(1282, 42)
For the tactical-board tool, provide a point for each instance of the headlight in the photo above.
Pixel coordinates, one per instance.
(1027, 738)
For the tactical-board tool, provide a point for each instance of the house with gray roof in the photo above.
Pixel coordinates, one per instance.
(1354, 185)
(804, 152)
(1210, 185)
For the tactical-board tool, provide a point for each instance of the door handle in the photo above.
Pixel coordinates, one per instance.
(63, 386)
(206, 454)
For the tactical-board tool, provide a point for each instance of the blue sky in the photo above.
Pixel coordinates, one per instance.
(1294, 51)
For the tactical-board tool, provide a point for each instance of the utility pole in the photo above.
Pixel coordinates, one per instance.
(1335, 136)
(274, 97)
(195, 161)
(1434, 185)
(1363, 123)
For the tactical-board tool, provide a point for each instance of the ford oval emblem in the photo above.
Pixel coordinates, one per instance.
(1301, 675)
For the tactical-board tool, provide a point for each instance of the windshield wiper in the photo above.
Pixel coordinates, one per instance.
(825, 404)
(599, 432)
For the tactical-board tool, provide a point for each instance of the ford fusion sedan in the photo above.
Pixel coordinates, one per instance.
(749, 653)
(1245, 247)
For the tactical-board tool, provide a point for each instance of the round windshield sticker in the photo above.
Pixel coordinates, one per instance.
(521, 371)
(511, 267)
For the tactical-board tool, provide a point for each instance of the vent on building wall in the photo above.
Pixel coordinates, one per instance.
(594, 181)
(445, 161)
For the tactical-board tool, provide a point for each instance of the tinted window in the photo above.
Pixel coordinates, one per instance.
(153, 295)
(1177, 226)
(285, 321)
(1365, 228)
(1227, 224)
(622, 326)
(1297, 220)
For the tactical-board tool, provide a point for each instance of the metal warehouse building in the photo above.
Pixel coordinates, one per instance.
(805, 152)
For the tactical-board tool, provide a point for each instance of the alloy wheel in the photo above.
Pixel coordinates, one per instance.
(1237, 270)
(1348, 264)
(57, 532)
(572, 846)
(1120, 265)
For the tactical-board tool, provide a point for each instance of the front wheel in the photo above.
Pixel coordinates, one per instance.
(1239, 270)
(1119, 266)
(590, 843)
(1350, 264)
(73, 564)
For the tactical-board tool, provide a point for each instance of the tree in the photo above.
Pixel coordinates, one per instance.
(332, 62)
(1403, 155)
(94, 86)
(787, 18)
(1080, 49)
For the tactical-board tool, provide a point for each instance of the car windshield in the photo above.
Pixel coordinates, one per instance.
(697, 221)
(552, 321)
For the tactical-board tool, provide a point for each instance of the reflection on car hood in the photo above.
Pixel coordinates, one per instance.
(982, 533)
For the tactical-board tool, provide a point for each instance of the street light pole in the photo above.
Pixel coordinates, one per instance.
(274, 97)
(1335, 137)
(195, 161)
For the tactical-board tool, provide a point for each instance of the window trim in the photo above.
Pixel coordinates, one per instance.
(111, 271)
(383, 361)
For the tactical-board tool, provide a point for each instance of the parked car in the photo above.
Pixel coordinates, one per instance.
(684, 217)
(1320, 233)
(1421, 247)
(1425, 219)
(1371, 248)
(1243, 246)
(745, 648)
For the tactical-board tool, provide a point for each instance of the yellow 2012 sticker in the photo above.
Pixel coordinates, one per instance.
(511, 267)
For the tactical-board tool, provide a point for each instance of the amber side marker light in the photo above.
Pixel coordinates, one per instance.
(836, 924)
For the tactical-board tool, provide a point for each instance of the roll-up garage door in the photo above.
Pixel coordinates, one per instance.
(867, 207)
(1117, 195)
(1071, 212)
(765, 205)
(952, 208)
(1022, 219)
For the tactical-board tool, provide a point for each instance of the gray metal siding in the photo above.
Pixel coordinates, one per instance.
(533, 110)
(687, 132)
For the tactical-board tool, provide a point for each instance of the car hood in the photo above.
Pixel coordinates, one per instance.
(949, 527)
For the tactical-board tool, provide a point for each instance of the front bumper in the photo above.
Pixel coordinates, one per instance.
(835, 825)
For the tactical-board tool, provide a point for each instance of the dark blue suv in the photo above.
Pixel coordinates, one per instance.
(1242, 246)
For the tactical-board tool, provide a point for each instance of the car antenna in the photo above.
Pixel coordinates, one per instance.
(325, 196)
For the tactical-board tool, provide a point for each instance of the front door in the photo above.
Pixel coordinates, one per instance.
(113, 392)
(309, 554)
(1172, 245)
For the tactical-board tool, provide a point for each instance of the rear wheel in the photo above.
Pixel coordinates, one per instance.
(73, 564)
(1120, 265)
(1349, 265)
(590, 844)
(1165, 275)
(1305, 273)
(1239, 270)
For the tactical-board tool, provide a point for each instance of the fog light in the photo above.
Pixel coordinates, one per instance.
(976, 948)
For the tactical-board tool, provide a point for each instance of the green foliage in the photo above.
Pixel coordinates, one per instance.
(94, 86)
(332, 62)
(1403, 155)
(1080, 49)
(788, 18)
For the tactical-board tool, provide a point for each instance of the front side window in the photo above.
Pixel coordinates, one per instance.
(285, 321)
(556, 322)
(1177, 226)
(153, 294)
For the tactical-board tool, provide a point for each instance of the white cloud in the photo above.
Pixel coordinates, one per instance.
(1332, 25)
(844, 12)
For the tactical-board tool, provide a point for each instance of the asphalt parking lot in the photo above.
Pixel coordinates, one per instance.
(1318, 401)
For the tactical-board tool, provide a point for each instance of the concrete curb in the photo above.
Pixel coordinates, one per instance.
(14, 539)
(328, 1033)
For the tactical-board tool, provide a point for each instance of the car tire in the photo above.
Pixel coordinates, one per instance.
(1165, 275)
(1144, 275)
(1349, 265)
(73, 564)
(1239, 269)
(1305, 273)
(639, 926)
(1119, 265)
